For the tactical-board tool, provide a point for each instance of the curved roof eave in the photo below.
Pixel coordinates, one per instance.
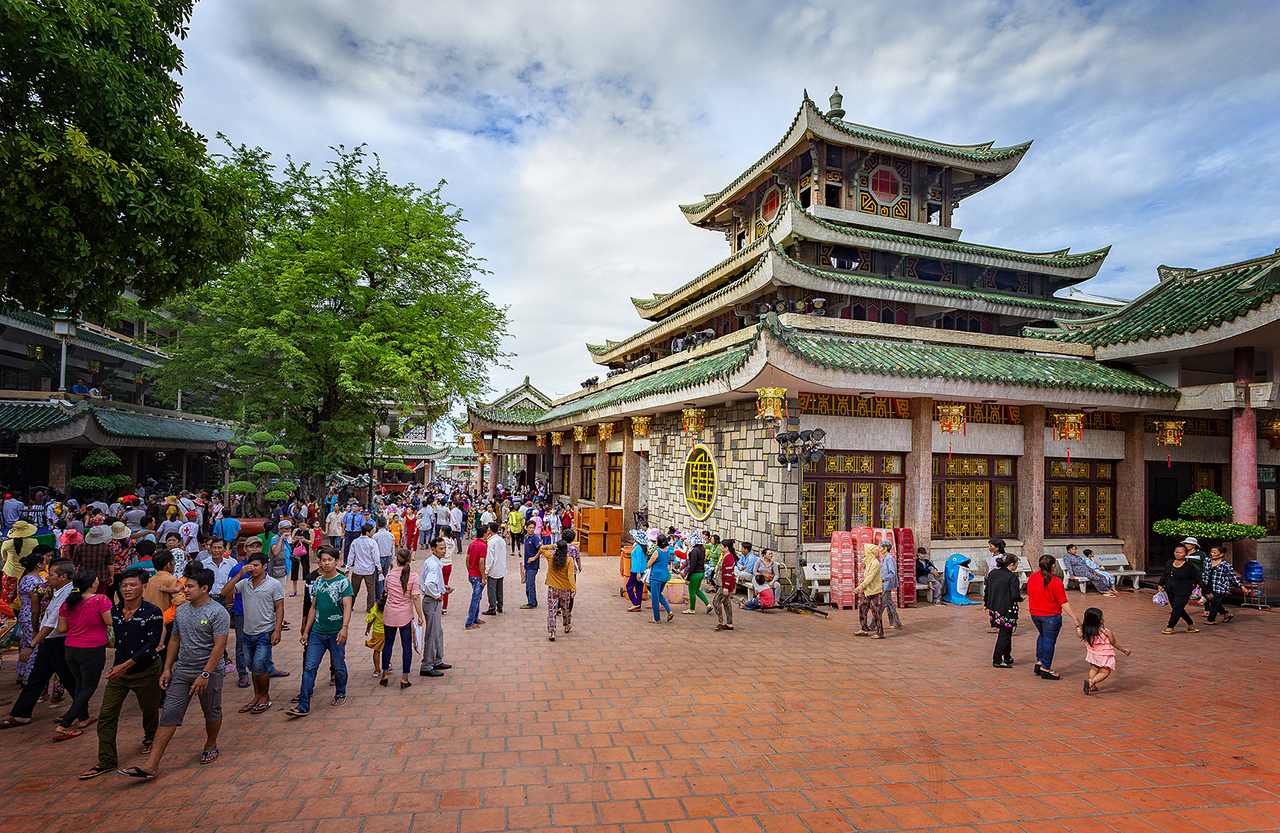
(809, 120)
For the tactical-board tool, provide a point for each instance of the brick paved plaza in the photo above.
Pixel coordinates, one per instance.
(786, 724)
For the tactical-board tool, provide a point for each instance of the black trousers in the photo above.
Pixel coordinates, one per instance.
(1004, 645)
(1216, 605)
(50, 660)
(1178, 610)
(495, 593)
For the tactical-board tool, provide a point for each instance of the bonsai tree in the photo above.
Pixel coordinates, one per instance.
(101, 483)
(1206, 517)
(259, 462)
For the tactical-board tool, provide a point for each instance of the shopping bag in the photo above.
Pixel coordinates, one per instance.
(417, 637)
(1160, 598)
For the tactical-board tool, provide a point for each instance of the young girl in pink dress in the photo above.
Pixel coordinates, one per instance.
(1100, 648)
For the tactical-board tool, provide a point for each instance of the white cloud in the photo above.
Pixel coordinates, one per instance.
(569, 132)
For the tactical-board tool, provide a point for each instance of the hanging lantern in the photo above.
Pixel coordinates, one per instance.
(540, 441)
(557, 437)
(640, 426)
(477, 443)
(1068, 425)
(1169, 433)
(158, 456)
(952, 419)
(771, 403)
(579, 433)
(693, 419)
(604, 431)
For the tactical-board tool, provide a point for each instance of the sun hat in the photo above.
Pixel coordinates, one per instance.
(97, 535)
(22, 529)
(119, 531)
(1190, 540)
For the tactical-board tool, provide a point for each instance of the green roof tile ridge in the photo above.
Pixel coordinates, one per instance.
(659, 297)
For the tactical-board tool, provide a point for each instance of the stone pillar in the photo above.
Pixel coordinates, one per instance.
(575, 471)
(1130, 507)
(917, 501)
(1244, 459)
(129, 465)
(1031, 483)
(59, 466)
(602, 472)
(630, 478)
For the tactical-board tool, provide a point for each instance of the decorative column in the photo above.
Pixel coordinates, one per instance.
(602, 472)
(1130, 511)
(575, 470)
(1031, 483)
(59, 466)
(630, 477)
(917, 509)
(493, 465)
(1244, 459)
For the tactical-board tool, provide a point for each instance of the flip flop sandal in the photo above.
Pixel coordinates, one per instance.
(247, 707)
(135, 772)
(61, 736)
(209, 757)
(261, 707)
(339, 700)
(294, 712)
(146, 747)
(243, 683)
(1230, 616)
(1167, 631)
(88, 723)
(280, 674)
(13, 723)
(95, 772)
(1193, 630)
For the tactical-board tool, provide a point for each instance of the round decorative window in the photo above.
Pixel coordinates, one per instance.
(772, 202)
(699, 482)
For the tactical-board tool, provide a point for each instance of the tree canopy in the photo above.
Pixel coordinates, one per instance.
(103, 187)
(358, 293)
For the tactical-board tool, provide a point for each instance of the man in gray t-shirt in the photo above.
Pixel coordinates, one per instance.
(192, 668)
(262, 599)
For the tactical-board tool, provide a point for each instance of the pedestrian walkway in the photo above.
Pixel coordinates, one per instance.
(788, 723)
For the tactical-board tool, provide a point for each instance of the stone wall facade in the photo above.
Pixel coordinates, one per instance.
(755, 497)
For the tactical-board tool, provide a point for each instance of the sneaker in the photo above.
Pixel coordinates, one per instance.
(688, 611)
(472, 627)
(491, 613)
(430, 672)
(526, 607)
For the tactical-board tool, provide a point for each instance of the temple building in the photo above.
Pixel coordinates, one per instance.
(965, 390)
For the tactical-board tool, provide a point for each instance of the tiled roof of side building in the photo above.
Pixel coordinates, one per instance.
(1185, 301)
(35, 416)
(894, 358)
(124, 424)
(509, 416)
(979, 153)
(89, 336)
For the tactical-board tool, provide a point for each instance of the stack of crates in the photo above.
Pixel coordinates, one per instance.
(842, 570)
(906, 550)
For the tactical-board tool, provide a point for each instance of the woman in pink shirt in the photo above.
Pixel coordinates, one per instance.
(403, 607)
(1048, 599)
(84, 617)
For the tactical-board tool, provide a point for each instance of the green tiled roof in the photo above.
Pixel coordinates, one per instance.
(418, 448)
(1185, 301)
(962, 153)
(676, 378)
(509, 416)
(894, 358)
(87, 336)
(148, 426)
(36, 416)
(758, 246)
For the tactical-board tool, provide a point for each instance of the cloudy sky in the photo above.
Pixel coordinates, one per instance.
(568, 132)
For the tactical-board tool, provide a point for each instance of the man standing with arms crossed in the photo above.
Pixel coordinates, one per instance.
(532, 562)
(138, 626)
(262, 602)
(325, 630)
(192, 668)
(495, 567)
(434, 591)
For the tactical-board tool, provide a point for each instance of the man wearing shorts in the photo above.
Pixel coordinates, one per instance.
(262, 602)
(192, 668)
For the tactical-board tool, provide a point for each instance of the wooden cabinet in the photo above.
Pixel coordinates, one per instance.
(600, 531)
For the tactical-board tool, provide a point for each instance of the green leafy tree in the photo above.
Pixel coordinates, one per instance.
(261, 467)
(1206, 517)
(103, 187)
(101, 482)
(359, 293)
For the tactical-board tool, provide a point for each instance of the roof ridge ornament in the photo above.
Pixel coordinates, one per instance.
(1173, 272)
(836, 111)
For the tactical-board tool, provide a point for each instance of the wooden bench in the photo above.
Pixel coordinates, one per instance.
(1083, 583)
(1117, 564)
(817, 579)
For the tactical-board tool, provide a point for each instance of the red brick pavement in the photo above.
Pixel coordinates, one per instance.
(786, 724)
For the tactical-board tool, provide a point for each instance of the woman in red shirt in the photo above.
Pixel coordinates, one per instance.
(1047, 599)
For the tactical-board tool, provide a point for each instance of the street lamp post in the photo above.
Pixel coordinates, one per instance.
(64, 327)
(798, 448)
(380, 431)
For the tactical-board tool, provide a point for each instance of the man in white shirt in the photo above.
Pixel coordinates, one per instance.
(434, 591)
(426, 516)
(50, 647)
(442, 516)
(495, 567)
(190, 532)
(386, 549)
(362, 560)
(455, 521)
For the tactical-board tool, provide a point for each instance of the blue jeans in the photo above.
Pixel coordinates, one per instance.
(1048, 626)
(473, 613)
(385, 562)
(242, 653)
(531, 587)
(317, 644)
(406, 646)
(655, 596)
(257, 647)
